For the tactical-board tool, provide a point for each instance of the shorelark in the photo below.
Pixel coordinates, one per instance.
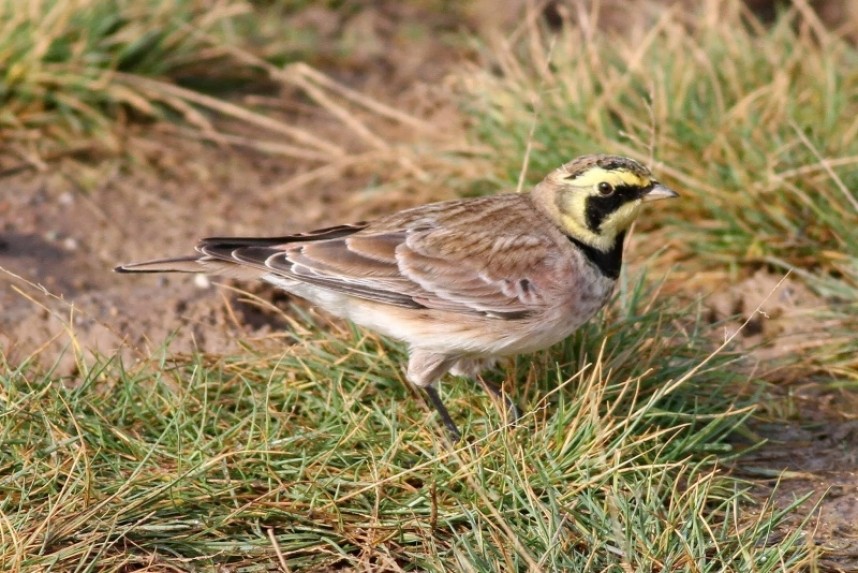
(460, 282)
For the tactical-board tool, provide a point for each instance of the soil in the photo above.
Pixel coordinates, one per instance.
(65, 225)
(64, 238)
(812, 460)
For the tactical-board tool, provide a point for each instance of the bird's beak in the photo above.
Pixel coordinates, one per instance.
(659, 191)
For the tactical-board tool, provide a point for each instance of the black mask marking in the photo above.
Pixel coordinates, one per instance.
(599, 207)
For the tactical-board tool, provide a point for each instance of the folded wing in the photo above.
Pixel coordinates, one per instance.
(420, 266)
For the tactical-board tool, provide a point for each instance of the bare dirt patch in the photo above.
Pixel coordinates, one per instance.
(66, 237)
(813, 457)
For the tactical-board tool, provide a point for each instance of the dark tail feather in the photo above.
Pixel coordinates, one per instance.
(189, 264)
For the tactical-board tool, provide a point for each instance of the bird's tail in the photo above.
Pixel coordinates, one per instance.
(191, 264)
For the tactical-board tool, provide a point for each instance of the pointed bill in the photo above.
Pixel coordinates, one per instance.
(659, 191)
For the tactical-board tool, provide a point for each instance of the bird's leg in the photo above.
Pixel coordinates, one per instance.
(512, 413)
(424, 369)
(435, 399)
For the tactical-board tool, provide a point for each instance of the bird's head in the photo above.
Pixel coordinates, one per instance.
(596, 198)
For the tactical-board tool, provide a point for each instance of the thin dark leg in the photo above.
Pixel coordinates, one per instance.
(435, 399)
(513, 414)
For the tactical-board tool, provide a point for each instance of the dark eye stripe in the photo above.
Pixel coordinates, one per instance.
(633, 191)
(599, 207)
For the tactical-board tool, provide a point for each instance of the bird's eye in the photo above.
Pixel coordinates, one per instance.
(605, 189)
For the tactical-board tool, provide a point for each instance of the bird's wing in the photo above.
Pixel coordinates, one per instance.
(489, 272)
(419, 266)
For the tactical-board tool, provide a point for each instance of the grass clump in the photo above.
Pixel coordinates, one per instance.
(76, 72)
(65, 63)
(754, 125)
(324, 459)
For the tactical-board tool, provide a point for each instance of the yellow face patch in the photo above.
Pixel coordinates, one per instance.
(621, 219)
(577, 195)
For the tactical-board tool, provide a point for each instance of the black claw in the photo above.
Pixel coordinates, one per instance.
(512, 413)
(435, 399)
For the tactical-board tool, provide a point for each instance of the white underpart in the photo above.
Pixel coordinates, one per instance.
(463, 336)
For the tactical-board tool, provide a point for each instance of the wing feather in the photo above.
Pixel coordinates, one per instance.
(421, 262)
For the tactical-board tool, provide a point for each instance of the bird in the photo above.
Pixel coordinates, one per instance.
(464, 282)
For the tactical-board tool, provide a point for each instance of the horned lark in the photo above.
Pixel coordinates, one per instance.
(461, 282)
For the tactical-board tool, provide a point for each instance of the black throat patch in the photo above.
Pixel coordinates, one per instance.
(608, 262)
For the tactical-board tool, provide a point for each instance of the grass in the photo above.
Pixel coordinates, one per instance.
(64, 62)
(75, 74)
(322, 458)
(754, 125)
